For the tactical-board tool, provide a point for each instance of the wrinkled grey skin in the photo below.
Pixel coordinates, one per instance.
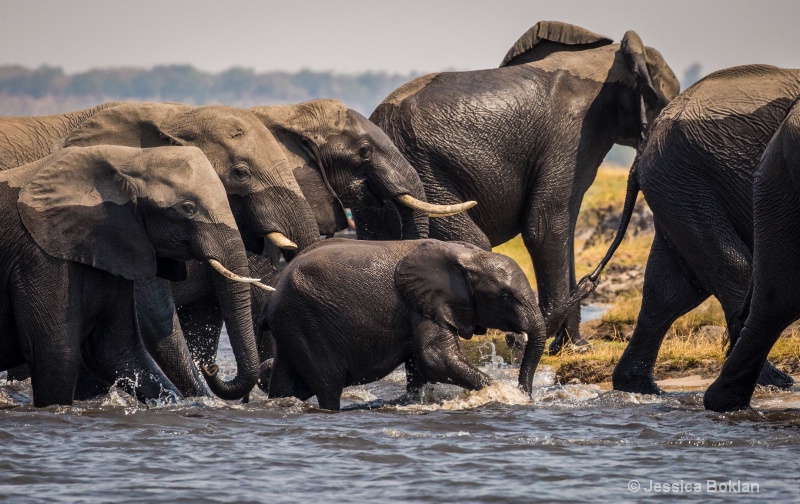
(340, 156)
(340, 159)
(773, 301)
(347, 312)
(78, 228)
(525, 141)
(262, 192)
(696, 172)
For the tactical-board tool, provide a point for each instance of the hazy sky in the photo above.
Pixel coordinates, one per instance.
(397, 36)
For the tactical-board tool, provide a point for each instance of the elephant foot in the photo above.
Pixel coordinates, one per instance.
(637, 383)
(723, 398)
(770, 375)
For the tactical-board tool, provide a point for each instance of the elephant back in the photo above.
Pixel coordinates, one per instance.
(27, 139)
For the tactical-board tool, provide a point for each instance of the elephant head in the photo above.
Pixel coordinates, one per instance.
(639, 79)
(134, 212)
(467, 289)
(263, 194)
(353, 160)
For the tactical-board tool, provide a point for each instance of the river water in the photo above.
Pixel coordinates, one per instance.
(567, 443)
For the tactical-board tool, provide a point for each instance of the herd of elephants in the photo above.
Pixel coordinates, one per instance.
(131, 232)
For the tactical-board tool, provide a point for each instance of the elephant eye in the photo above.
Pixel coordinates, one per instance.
(241, 172)
(188, 208)
(365, 153)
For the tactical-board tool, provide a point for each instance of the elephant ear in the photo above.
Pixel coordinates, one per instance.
(633, 52)
(547, 37)
(303, 129)
(433, 281)
(83, 209)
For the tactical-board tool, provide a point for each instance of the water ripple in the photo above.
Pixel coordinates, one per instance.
(565, 443)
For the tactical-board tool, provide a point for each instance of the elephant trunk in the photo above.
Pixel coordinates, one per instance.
(537, 336)
(233, 290)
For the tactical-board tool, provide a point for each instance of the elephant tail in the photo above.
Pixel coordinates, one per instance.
(589, 283)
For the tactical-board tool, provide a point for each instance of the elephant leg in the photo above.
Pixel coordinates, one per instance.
(440, 359)
(668, 293)
(414, 378)
(734, 387)
(285, 382)
(131, 367)
(320, 376)
(730, 255)
(89, 384)
(117, 354)
(546, 236)
(569, 332)
(772, 376)
(161, 333)
(50, 332)
(261, 267)
(266, 345)
(265, 374)
(773, 304)
(330, 397)
(201, 321)
(54, 367)
(769, 375)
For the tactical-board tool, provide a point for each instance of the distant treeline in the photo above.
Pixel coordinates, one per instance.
(48, 90)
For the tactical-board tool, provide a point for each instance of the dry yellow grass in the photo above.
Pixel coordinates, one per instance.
(625, 311)
(690, 353)
(606, 194)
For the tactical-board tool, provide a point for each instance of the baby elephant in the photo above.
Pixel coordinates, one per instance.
(349, 312)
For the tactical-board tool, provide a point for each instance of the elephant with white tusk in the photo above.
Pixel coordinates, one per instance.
(525, 140)
(78, 229)
(262, 192)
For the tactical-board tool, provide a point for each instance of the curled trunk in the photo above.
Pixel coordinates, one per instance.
(234, 298)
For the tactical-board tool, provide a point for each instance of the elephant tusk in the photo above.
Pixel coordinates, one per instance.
(281, 241)
(432, 210)
(222, 270)
(263, 286)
